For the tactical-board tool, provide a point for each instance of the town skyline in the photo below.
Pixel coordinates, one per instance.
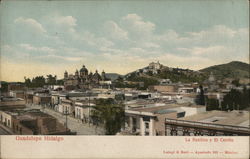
(55, 39)
(102, 70)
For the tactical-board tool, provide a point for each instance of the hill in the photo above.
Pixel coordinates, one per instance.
(113, 76)
(234, 69)
(154, 72)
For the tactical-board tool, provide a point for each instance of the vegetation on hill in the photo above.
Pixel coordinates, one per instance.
(112, 76)
(234, 69)
(145, 81)
(176, 75)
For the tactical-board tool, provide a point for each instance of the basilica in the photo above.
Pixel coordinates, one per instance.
(83, 79)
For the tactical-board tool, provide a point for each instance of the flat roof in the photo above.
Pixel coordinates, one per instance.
(5, 99)
(43, 95)
(236, 118)
(25, 117)
(166, 107)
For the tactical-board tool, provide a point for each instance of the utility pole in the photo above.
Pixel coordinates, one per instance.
(89, 107)
(66, 114)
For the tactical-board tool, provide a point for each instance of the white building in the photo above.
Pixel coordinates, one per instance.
(6, 119)
(186, 90)
(151, 120)
(66, 106)
(83, 110)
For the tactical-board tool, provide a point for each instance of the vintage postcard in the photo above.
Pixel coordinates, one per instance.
(124, 79)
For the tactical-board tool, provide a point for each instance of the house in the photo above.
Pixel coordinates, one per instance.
(28, 96)
(17, 93)
(16, 87)
(66, 106)
(56, 99)
(165, 81)
(163, 88)
(8, 103)
(83, 110)
(42, 99)
(34, 122)
(150, 120)
(6, 118)
(185, 90)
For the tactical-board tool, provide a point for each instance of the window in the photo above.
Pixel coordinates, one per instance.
(181, 114)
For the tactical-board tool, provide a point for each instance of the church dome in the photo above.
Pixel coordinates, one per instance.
(83, 69)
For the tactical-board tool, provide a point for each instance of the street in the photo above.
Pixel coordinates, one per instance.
(3, 131)
(74, 125)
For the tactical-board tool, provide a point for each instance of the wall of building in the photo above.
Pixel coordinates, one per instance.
(60, 108)
(29, 98)
(6, 119)
(36, 100)
(18, 128)
(46, 125)
(82, 112)
(41, 100)
(54, 99)
(15, 87)
(17, 94)
(163, 88)
(159, 123)
(193, 110)
(12, 103)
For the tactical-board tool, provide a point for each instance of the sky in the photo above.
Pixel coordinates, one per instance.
(49, 37)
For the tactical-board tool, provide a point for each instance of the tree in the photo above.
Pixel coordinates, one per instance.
(109, 113)
(38, 81)
(119, 79)
(200, 98)
(27, 82)
(245, 98)
(212, 104)
(236, 100)
(3, 86)
(236, 82)
(51, 80)
(59, 82)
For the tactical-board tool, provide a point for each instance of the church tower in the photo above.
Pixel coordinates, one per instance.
(76, 74)
(103, 75)
(66, 75)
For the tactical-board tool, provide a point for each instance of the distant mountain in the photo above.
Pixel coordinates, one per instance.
(234, 69)
(113, 76)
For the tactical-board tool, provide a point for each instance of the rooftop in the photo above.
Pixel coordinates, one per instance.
(235, 118)
(5, 99)
(167, 107)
